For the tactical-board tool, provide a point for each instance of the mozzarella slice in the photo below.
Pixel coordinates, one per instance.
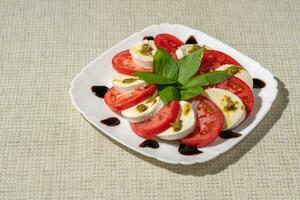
(142, 53)
(186, 122)
(186, 49)
(239, 72)
(125, 83)
(143, 110)
(231, 105)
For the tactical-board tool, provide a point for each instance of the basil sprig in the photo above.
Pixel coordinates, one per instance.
(176, 80)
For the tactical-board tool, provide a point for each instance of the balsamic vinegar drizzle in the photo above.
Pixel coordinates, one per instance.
(229, 134)
(257, 83)
(150, 143)
(191, 40)
(111, 121)
(148, 38)
(188, 150)
(99, 91)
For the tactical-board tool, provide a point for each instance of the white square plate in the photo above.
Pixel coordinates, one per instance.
(100, 71)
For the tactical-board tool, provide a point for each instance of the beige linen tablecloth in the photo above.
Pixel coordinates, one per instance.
(47, 149)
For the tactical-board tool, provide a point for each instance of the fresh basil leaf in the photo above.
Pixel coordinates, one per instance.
(190, 92)
(207, 79)
(169, 94)
(164, 65)
(154, 78)
(188, 65)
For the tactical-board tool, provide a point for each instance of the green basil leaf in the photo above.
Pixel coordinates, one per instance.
(207, 79)
(169, 94)
(189, 65)
(190, 92)
(164, 65)
(154, 78)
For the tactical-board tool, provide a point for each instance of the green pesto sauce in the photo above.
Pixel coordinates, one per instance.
(126, 81)
(186, 109)
(194, 48)
(233, 70)
(141, 108)
(146, 50)
(230, 105)
(177, 125)
(129, 80)
(151, 100)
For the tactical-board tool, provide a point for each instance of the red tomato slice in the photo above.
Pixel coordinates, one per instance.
(240, 89)
(168, 42)
(208, 124)
(159, 122)
(213, 59)
(122, 62)
(118, 101)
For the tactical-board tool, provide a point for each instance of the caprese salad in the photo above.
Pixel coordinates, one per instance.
(175, 91)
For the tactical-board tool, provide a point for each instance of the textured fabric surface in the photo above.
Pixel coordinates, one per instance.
(48, 151)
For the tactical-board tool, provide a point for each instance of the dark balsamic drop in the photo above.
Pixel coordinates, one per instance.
(257, 83)
(111, 121)
(148, 38)
(188, 150)
(191, 40)
(229, 134)
(150, 143)
(99, 91)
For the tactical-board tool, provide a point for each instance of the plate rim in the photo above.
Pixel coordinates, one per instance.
(217, 153)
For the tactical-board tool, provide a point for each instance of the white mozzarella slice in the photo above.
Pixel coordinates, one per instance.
(186, 120)
(125, 83)
(239, 72)
(142, 53)
(143, 110)
(231, 105)
(186, 49)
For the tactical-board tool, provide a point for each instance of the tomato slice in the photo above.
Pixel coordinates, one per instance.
(208, 124)
(118, 101)
(159, 122)
(168, 42)
(122, 62)
(213, 59)
(240, 89)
